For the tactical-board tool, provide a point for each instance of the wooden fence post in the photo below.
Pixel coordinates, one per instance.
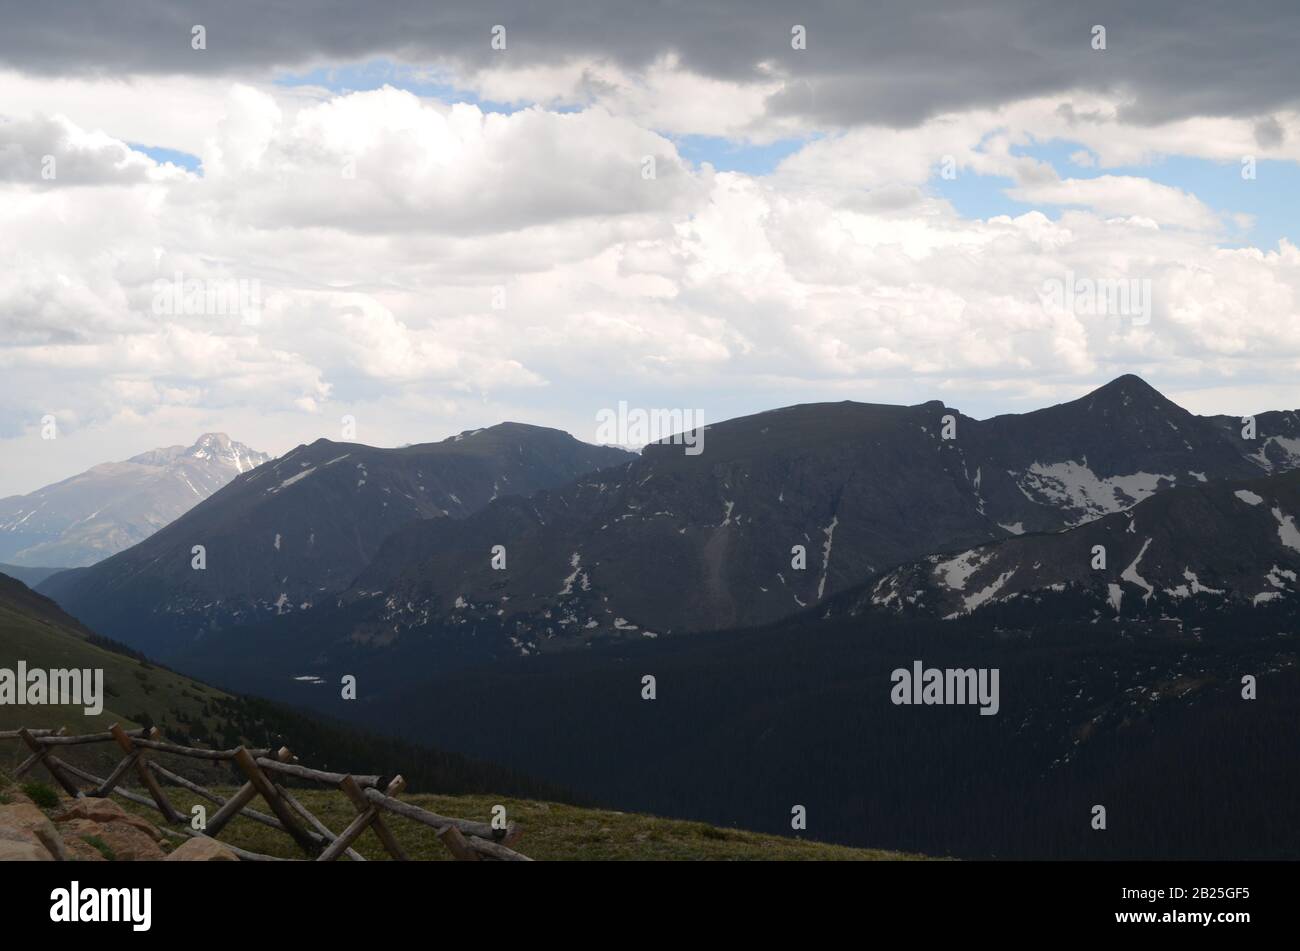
(247, 793)
(51, 763)
(266, 789)
(362, 805)
(365, 817)
(40, 752)
(135, 756)
(457, 845)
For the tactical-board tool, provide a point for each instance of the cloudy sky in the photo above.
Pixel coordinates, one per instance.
(663, 203)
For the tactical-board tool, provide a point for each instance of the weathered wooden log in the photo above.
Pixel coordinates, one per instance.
(27, 764)
(354, 792)
(150, 781)
(212, 797)
(115, 777)
(246, 794)
(317, 775)
(17, 734)
(481, 829)
(87, 738)
(195, 752)
(315, 823)
(119, 791)
(52, 764)
(456, 844)
(344, 842)
(266, 789)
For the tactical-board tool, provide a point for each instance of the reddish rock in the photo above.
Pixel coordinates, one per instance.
(106, 812)
(202, 849)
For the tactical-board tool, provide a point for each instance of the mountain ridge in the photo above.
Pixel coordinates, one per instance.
(671, 543)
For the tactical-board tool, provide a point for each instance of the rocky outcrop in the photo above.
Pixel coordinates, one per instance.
(129, 838)
(82, 830)
(26, 834)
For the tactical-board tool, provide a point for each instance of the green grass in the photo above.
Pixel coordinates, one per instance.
(131, 686)
(134, 691)
(102, 847)
(41, 794)
(550, 832)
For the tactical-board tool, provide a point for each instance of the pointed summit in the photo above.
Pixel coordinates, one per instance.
(1129, 384)
(1131, 395)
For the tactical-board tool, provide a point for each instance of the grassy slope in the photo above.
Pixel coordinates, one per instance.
(131, 686)
(551, 832)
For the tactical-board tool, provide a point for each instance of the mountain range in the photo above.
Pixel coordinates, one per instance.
(112, 506)
(782, 512)
(279, 538)
(519, 627)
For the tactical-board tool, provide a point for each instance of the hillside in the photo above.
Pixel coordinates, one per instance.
(138, 693)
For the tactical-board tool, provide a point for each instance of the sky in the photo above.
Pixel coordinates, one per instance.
(426, 218)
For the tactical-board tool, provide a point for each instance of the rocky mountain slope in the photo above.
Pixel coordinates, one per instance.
(674, 543)
(112, 506)
(279, 538)
(1217, 546)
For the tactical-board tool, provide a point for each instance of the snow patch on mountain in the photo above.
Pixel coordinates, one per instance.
(1073, 485)
(980, 597)
(955, 572)
(829, 531)
(1286, 529)
(1131, 575)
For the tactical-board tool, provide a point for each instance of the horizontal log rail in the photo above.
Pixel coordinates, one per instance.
(265, 772)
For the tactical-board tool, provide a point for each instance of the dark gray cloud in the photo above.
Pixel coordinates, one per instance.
(895, 62)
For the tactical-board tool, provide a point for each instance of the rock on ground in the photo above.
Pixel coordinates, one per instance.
(202, 850)
(24, 828)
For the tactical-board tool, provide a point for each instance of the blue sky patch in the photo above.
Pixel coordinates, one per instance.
(1270, 198)
(185, 160)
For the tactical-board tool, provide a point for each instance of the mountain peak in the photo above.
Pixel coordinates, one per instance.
(1130, 385)
(212, 439)
(220, 448)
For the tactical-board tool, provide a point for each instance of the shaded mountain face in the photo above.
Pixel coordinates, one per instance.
(1205, 548)
(674, 542)
(111, 507)
(36, 631)
(279, 538)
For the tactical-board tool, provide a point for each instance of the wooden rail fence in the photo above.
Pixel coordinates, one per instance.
(264, 773)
